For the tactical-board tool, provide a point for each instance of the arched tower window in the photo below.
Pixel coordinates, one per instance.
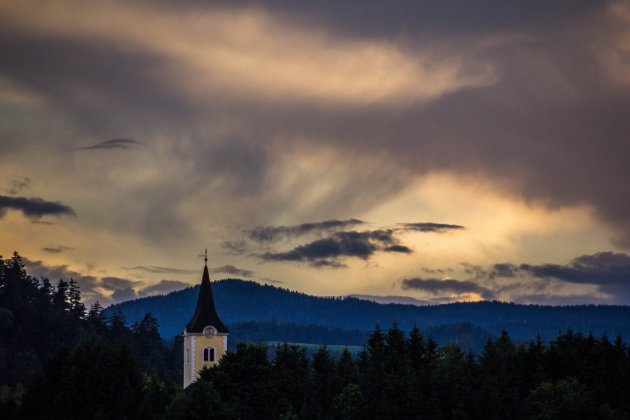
(208, 354)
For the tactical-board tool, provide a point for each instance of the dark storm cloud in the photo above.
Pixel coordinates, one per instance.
(273, 233)
(431, 227)
(163, 287)
(230, 269)
(436, 286)
(34, 207)
(160, 270)
(398, 248)
(56, 249)
(603, 268)
(553, 97)
(609, 272)
(324, 252)
(112, 144)
(505, 270)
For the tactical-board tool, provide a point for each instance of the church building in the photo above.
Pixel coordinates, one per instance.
(205, 335)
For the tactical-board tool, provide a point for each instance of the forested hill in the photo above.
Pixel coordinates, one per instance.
(238, 301)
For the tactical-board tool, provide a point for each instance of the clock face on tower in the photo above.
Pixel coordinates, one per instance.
(209, 331)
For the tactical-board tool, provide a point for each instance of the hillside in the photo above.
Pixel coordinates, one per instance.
(239, 301)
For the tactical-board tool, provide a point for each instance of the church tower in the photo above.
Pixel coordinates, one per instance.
(205, 335)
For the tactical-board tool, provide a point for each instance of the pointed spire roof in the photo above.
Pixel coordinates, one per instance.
(206, 313)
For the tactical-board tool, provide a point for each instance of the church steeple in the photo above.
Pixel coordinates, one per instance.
(205, 335)
(205, 313)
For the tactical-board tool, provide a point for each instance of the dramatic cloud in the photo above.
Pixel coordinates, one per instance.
(230, 269)
(324, 252)
(34, 207)
(112, 144)
(398, 248)
(504, 270)
(436, 286)
(271, 113)
(431, 227)
(609, 271)
(273, 233)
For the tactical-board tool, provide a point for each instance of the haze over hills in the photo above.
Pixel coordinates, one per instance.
(241, 301)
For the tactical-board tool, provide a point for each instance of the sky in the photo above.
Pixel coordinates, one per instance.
(444, 151)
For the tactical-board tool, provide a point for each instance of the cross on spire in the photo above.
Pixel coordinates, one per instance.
(205, 258)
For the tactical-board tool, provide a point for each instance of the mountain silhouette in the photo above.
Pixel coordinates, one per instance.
(239, 302)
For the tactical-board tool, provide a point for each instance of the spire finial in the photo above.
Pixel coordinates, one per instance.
(205, 258)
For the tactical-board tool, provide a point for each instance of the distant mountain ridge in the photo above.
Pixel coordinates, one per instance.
(240, 301)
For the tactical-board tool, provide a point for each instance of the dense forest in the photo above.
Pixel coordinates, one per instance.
(60, 360)
(466, 335)
(243, 301)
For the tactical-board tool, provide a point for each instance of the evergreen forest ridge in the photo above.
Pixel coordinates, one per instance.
(255, 311)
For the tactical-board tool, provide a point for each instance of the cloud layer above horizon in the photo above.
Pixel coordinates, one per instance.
(337, 148)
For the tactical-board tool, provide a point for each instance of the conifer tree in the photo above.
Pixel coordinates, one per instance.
(77, 308)
(95, 314)
(346, 369)
(372, 364)
(322, 384)
(291, 371)
(60, 297)
(417, 390)
(394, 376)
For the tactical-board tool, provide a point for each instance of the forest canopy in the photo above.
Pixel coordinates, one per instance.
(59, 359)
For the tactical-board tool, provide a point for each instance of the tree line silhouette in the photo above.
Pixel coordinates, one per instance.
(61, 360)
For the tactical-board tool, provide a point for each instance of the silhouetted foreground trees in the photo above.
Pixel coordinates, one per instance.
(406, 376)
(84, 367)
(58, 359)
